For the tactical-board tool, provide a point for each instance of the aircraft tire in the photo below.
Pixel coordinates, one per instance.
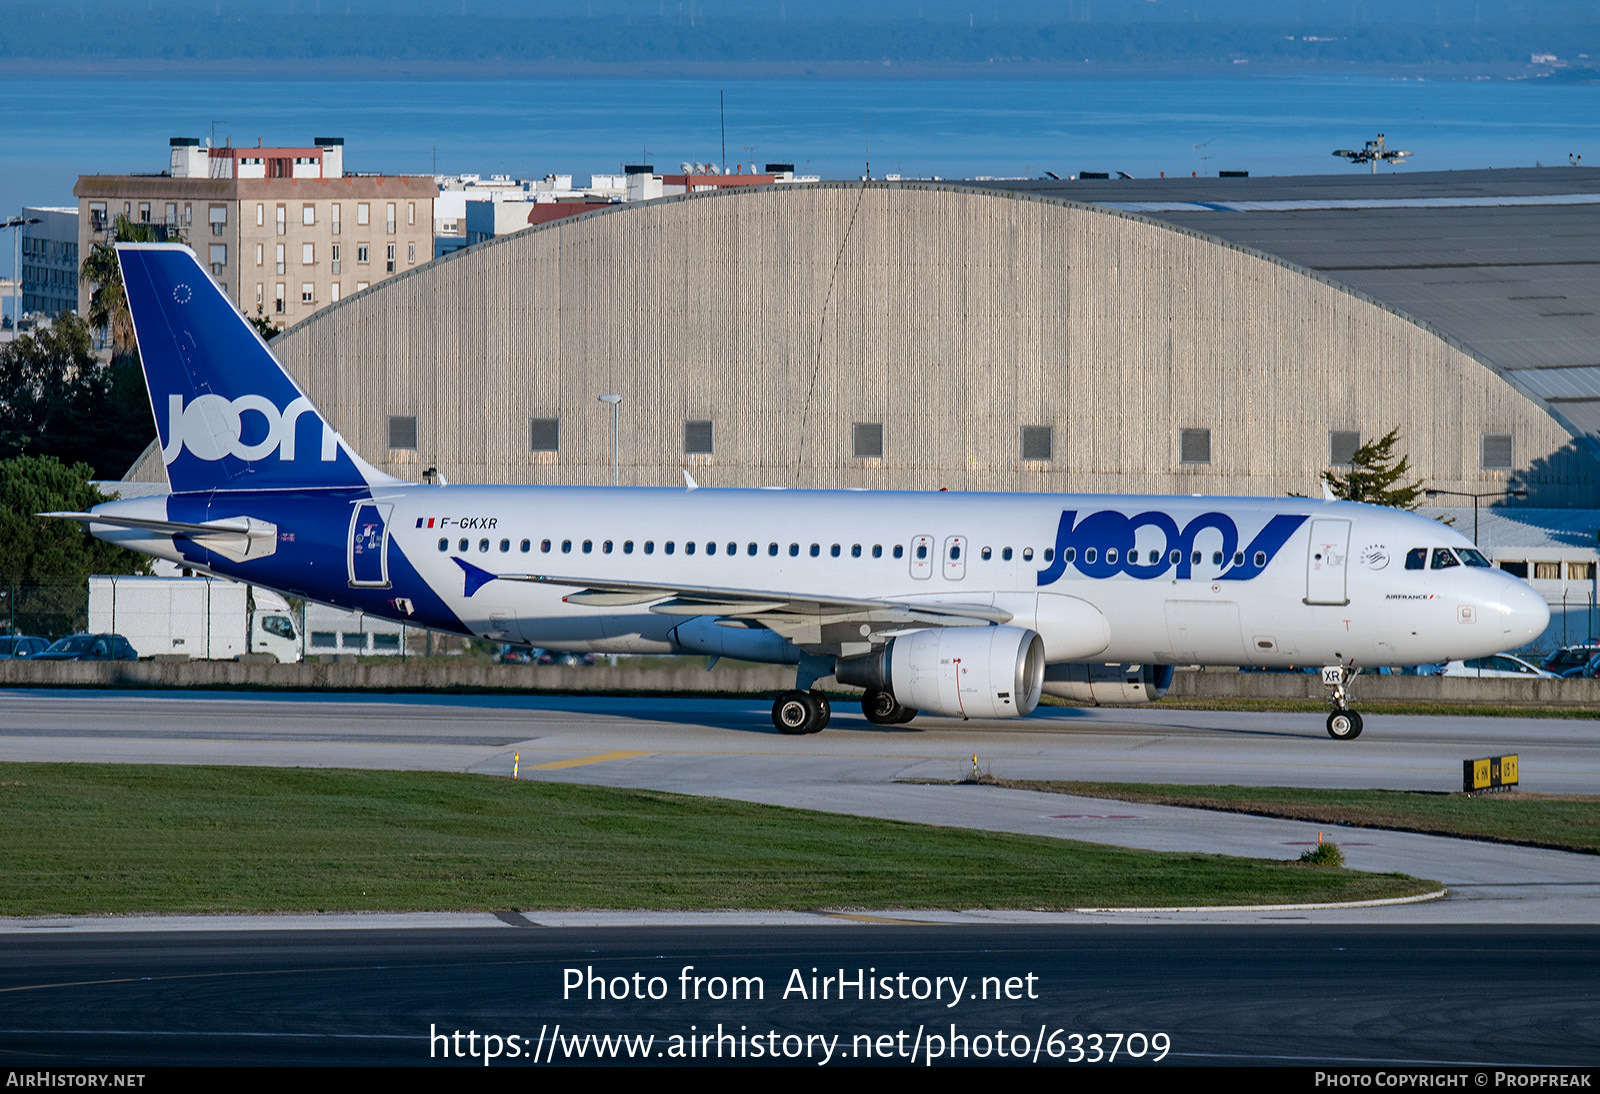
(1344, 725)
(881, 708)
(796, 713)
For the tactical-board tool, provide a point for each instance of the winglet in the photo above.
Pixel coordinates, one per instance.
(1327, 493)
(688, 481)
(476, 578)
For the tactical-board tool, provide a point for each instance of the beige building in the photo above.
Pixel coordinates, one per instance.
(286, 230)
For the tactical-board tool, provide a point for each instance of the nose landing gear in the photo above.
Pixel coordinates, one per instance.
(1344, 724)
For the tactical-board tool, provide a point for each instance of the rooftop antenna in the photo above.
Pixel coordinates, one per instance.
(866, 138)
(722, 113)
(214, 123)
(1200, 150)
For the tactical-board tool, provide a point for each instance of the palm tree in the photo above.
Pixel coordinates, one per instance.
(108, 304)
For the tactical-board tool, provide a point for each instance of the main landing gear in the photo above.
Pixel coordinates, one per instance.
(1344, 724)
(883, 709)
(800, 712)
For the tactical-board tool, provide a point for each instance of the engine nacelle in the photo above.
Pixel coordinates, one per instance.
(963, 672)
(1108, 685)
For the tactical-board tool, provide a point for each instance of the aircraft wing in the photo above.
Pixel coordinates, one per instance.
(778, 611)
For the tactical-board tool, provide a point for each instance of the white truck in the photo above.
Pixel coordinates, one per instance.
(198, 616)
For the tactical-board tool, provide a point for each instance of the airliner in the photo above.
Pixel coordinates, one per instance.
(956, 604)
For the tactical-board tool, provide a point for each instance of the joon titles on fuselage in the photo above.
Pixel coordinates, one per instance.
(964, 605)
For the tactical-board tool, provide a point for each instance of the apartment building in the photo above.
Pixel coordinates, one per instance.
(286, 230)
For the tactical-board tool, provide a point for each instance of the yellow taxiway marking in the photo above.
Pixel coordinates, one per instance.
(581, 760)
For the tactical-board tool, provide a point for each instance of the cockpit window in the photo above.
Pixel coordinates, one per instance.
(1443, 558)
(1417, 558)
(1473, 558)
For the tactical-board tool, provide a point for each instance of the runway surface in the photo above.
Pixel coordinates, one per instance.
(1463, 998)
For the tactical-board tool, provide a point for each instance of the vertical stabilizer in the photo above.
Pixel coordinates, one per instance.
(228, 415)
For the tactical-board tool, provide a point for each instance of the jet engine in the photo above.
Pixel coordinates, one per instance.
(963, 672)
(1108, 685)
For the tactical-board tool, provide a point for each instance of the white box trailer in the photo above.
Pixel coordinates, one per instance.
(200, 617)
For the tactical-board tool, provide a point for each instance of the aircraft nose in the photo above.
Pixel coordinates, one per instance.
(1522, 613)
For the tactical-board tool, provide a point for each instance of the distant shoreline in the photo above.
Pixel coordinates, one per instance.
(370, 69)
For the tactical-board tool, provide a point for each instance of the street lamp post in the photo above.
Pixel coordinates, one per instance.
(613, 400)
(1514, 492)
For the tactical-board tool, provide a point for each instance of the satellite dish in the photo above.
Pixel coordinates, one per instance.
(686, 167)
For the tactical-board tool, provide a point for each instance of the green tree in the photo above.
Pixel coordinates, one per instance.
(108, 303)
(58, 399)
(1377, 476)
(45, 563)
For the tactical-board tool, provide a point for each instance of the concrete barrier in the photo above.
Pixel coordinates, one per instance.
(668, 676)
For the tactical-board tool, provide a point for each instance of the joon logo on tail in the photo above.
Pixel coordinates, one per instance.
(1108, 543)
(213, 426)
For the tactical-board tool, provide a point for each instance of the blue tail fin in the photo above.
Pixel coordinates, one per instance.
(228, 415)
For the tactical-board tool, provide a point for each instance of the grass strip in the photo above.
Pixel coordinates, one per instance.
(82, 839)
(1563, 822)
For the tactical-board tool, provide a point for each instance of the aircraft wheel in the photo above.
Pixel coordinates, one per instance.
(905, 715)
(826, 710)
(881, 708)
(797, 713)
(1344, 725)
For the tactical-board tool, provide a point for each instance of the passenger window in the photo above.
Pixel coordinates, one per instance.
(688, 548)
(1194, 559)
(1111, 555)
(588, 546)
(649, 546)
(1027, 554)
(855, 550)
(751, 550)
(794, 550)
(483, 545)
(986, 554)
(834, 550)
(877, 550)
(1216, 558)
(527, 545)
(1443, 559)
(1005, 553)
(899, 550)
(1089, 556)
(566, 546)
(772, 550)
(505, 545)
(627, 546)
(1070, 554)
(1261, 559)
(711, 548)
(444, 545)
(461, 546)
(922, 551)
(605, 548)
(1238, 558)
(733, 548)
(544, 546)
(1417, 558)
(816, 550)
(1050, 553)
(671, 546)
(955, 553)
(1175, 556)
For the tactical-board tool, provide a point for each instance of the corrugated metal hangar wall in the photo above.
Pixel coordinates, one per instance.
(1000, 341)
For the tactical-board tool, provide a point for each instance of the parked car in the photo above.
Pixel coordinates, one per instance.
(1501, 664)
(1574, 661)
(14, 647)
(89, 647)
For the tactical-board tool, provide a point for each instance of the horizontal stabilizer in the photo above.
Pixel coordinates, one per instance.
(235, 538)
